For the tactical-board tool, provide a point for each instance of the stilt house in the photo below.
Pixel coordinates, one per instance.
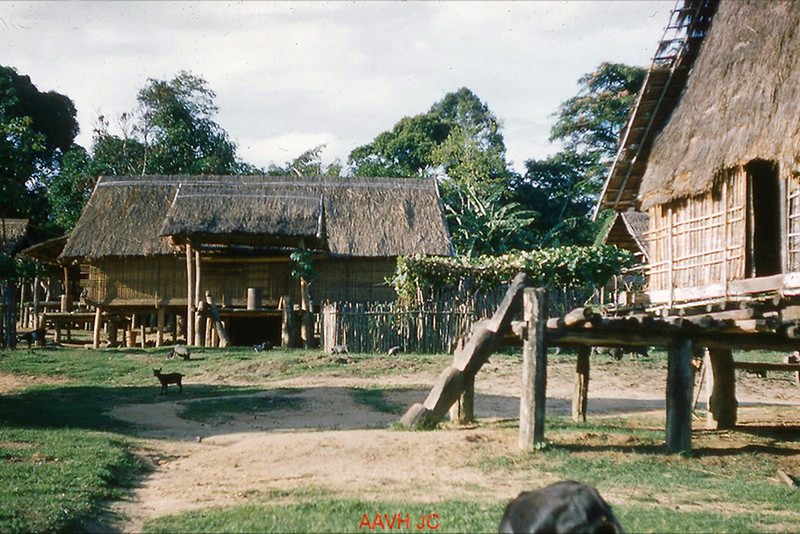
(711, 154)
(136, 233)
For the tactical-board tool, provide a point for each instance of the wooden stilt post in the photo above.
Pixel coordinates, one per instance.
(98, 323)
(174, 328)
(162, 317)
(288, 326)
(463, 411)
(36, 303)
(534, 371)
(189, 296)
(720, 379)
(130, 337)
(200, 320)
(222, 338)
(679, 396)
(143, 332)
(112, 332)
(580, 398)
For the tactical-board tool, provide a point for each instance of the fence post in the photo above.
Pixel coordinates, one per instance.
(534, 371)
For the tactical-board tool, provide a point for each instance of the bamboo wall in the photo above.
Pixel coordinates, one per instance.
(701, 241)
(137, 280)
(793, 223)
(142, 281)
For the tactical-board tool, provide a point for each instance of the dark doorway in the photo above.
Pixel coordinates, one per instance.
(764, 238)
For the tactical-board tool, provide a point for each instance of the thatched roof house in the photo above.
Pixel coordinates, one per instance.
(628, 231)
(134, 229)
(722, 181)
(12, 234)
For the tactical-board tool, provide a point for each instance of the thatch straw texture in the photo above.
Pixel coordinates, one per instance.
(12, 234)
(629, 231)
(369, 217)
(123, 218)
(740, 103)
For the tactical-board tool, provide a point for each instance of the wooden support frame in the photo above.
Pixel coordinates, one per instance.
(720, 380)
(580, 397)
(189, 296)
(160, 321)
(680, 384)
(98, 324)
(534, 371)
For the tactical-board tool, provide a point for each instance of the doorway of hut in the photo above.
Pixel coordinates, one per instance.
(248, 331)
(764, 251)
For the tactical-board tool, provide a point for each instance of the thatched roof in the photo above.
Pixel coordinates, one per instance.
(666, 79)
(740, 103)
(123, 218)
(12, 234)
(132, 216)
(628, 231)
(46, 251)
(345, 217)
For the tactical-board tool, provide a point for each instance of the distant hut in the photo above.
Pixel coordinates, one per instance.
(13, 234)
(628, 231)
(238, 232)
(719, 174)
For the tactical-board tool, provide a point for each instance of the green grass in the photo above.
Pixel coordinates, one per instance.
(376, 400)
(333, 515)
(53, 480)
(227, 408)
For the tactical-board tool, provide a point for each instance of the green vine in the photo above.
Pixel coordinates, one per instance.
(303, 269)
(547, 267)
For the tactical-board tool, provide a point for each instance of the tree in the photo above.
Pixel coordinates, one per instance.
(178, 130)
(36, 128)
(590, 123)
(309, 163)
(563, 188)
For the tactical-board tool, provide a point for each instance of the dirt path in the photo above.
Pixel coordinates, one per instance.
(332, 444)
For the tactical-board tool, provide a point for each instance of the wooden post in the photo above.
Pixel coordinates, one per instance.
(307, 317)
(143, 329)
(534, 371)
(200, 329)
(288, 326)
(112, 332)
(200, 318)
(720, 379)
(189, 296)
(98, 323)
(130, 335)
(224, 340)
(463, 411)
(679, 396)
(22, 306)
(36, 303)
(174, 328)
(580, 398)
(162, 318)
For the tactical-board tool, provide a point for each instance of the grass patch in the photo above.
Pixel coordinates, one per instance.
(332, 515)
(227, 408)
(53, 480)
(376, 400)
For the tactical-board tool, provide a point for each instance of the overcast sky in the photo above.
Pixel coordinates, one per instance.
(293, 75)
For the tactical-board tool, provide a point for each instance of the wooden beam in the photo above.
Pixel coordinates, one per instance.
(143, 332)
(224, 340)
(161, 319)
(534, 371)
(720, 382)
(98, 324)
(200, 319)
(679, 396)
(580, 396)
(189, 296)
(288, 325)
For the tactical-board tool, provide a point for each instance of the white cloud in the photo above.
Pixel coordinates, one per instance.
(291, 75)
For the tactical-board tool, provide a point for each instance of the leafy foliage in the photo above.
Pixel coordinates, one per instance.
(553, 267)
(302, 265)
(35, 129)
(309, 163)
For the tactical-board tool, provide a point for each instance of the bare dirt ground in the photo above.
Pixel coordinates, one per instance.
(335, 445)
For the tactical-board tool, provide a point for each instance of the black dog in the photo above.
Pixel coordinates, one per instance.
(562, 507)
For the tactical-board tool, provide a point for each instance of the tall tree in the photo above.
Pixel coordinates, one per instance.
(563, 188)
(36, 128)
(178, 129)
